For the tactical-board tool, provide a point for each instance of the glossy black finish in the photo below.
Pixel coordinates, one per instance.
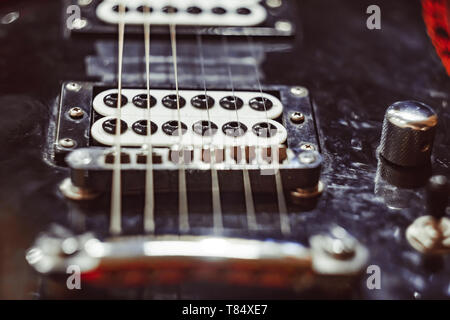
(353, 74)
(438, 188)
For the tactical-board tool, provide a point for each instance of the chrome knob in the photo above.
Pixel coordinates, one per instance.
(408, 133)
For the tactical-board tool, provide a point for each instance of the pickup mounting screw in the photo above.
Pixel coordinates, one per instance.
(10, 17)
(274, 3)
(73, 86)
(79, 24)
(84, 2)
(283, 26)
(67, 143)
(297, 117)
(76, 113)
(307, 146)
(299, 91)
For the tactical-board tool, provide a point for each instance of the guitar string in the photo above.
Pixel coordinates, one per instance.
(149, 207)
(249, 203)
(215, 188)
(115, 224)
(116, 196)
(282, 207)
(182, 193)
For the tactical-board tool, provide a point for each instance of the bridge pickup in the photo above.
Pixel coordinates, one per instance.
(85, 108)
(83, 137)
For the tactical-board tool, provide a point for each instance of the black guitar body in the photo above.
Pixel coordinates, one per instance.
(352, 74)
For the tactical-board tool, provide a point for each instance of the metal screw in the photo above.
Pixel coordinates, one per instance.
(10, 17)
(84, 2)
(307, 157)
(307, 146)
(283, 26)
(79, 23)
(74, 193)
(274, 3)
(299, 91)
(297, 117)
(300, 194)
(67, 143)
(69, 246)
(339, 248)
(76, 113)
(73, 86)
(339, 244)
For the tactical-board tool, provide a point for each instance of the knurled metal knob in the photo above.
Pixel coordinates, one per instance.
(408, 133)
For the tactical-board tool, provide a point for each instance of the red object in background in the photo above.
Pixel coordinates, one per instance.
(436, 14)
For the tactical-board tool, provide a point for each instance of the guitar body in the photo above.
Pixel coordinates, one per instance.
(352, 74)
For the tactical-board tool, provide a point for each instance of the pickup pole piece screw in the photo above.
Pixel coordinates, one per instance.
(67, 143)
(76, 112)
(297, 117)
(299, 91)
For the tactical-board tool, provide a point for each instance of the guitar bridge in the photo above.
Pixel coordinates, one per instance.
(334, 259)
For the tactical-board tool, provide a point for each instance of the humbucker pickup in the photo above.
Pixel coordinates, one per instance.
(219, 118)
(209, 17)
(247, 130)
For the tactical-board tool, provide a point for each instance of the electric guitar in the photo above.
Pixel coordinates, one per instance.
(170, 149)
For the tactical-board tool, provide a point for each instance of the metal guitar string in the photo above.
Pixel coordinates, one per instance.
(116, 190)
(182, 193)
(282, 207)
(249, 204)
(215, 188)
(149, 207)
